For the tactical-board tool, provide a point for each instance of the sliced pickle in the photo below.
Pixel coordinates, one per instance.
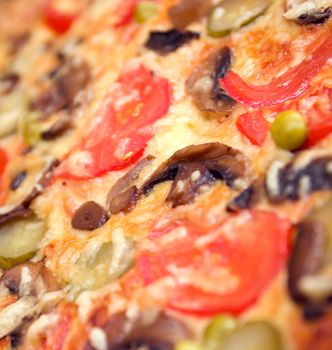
(254, 336)
(234, 14)
(19, 240)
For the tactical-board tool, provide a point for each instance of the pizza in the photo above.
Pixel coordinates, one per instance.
(165, 174)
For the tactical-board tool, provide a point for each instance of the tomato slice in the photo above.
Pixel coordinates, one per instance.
(57, 20)
(223, 270)
(125, 13)
(123, 127)
(291, 85)
(3, 160)
(254, 126)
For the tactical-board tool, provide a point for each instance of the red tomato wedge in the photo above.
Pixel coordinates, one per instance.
(254, 126)
(57, 20)
(223, 270)
(123, 127)
(3, 160)
(125, 13)
(291, 85)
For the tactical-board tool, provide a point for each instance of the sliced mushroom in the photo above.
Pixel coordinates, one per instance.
(22, 210)
(152, 333)
(8, 82)
(288, 182)
(307, 256)
(186, 12)
(71, 78)
(196, 167)
(58, 128)
(169, 41)
(203, 84)
(308, 11)
(124, 194)
(29, 279)
(89, 216)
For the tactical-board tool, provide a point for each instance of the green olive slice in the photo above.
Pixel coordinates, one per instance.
(254, 336)
(233, 14)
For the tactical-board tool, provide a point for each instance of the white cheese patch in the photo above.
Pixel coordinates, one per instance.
(98, 339)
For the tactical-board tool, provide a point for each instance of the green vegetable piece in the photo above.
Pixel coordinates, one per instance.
(289, 130)
(234, 14)
(217, 330)
(254, 336)
(145, 10)
(31, 130)
(8, 263)
(188, 345)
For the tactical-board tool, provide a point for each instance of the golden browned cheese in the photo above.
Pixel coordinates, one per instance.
(85, 262)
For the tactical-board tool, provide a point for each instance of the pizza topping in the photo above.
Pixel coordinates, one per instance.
(196, 167)
(257, 335)
(18, 179)
(11, 212)
(57, 129)
(233, 14)
(210, 275)
(123, 195)
(19, 240)
(186, 12)
(29, 279)
(289, 130)
(118, 138)
(308, 11)
(307, 256)
(254, 126)
(203, 84)
(70, 79)
(58, 20)
(290, 85)
(89, 216)
(145, 10)
(218, 330)
(169, 41)
(160, 332)
(8, 82)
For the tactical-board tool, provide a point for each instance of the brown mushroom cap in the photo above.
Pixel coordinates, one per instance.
(195, 166)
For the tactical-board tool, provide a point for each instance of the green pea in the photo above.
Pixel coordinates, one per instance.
(289, 130)
(217, 330)
(187, 345)
(145, 10)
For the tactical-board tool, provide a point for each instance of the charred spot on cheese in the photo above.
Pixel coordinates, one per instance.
(169, 41)
(89, 216)
(197, 167)
(8, 82)
(160, 332)
(123, 195)
(186, 12)
(18, 179)
(308, 11)
(203, 84)
(22, 209)
(69, 80)
(29, 279)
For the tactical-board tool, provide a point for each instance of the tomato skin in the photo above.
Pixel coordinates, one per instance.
(57, 20)
(125, 13)
(124, 124)
(3, 161)
(291, 85)
(252, 245)
(254, 126)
